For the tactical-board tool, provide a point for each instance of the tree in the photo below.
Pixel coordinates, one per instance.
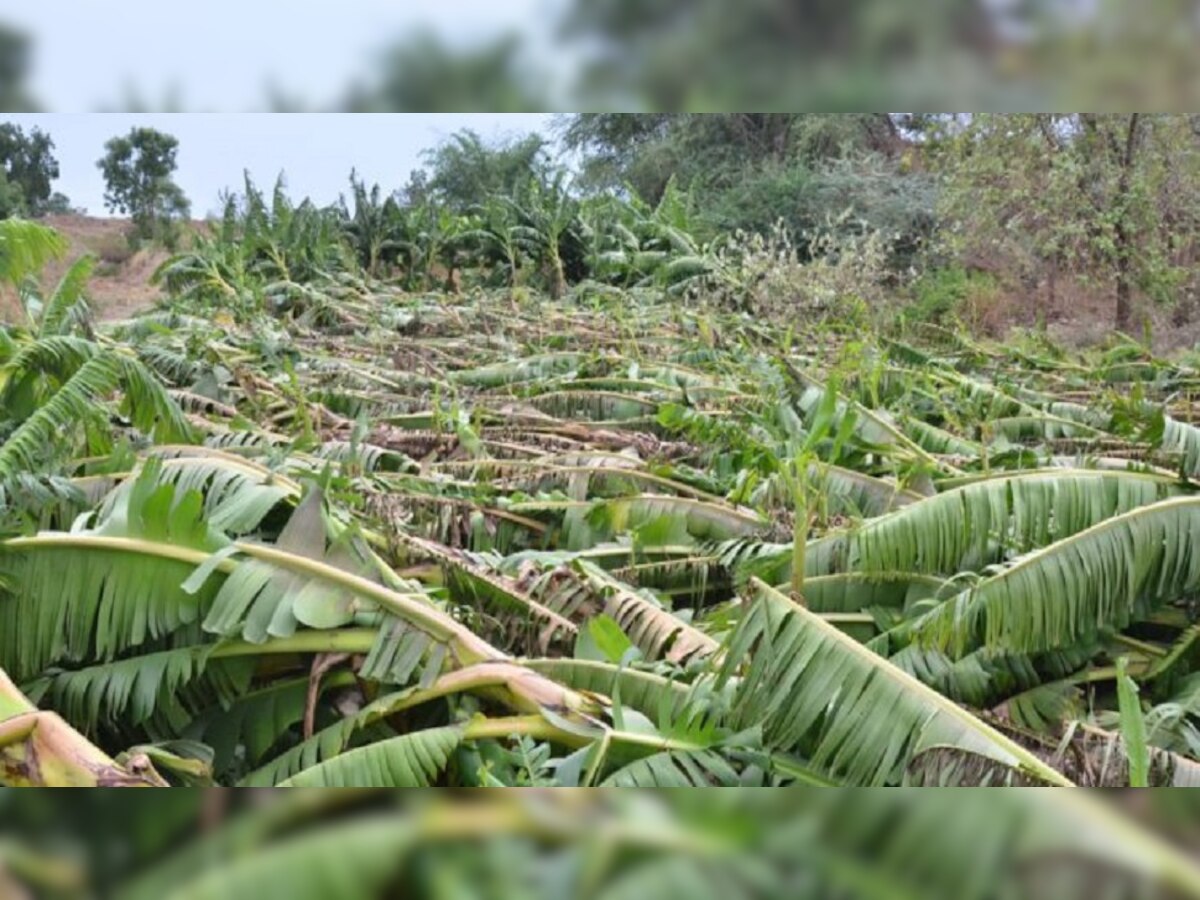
(60, 204)
(466, 169)
(644, 151)
(545, 215)
(621, 150)
(14, 68)
(780, 54)
(1110, 198)
(374, 226)
(11, 201)
(137, 174)
(749, 171)
(29, 165)
(423, 74)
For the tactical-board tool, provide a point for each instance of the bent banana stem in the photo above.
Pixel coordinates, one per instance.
(39, 749)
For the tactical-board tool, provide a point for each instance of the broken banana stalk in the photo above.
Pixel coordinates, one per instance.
(39, 749)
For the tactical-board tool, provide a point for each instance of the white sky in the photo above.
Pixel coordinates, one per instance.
(222, 55)
(317, 152)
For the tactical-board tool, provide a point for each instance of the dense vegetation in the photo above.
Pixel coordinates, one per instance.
(1027, 218)
(545, 845)
(556, 489)
(551, 491)
(27, 170)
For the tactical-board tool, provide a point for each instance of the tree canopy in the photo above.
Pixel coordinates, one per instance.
(749, 171)
(1116, 196)
(14, 70)
(422, 74)
(30, 168)
(464, 170)
(138, 170)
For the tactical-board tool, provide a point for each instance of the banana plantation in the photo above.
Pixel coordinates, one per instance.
(534, 496)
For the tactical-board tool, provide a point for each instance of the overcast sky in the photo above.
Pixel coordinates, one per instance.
(317, 152)
(223, 55)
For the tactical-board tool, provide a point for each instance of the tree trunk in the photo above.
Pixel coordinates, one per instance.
(514, 269)
(1122, 239)
(558, 279)
(1124, 307)
(1052, 285)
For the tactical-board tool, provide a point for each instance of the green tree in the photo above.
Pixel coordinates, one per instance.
(138, 171)
(60, 204)
(620, 150)
(644, 151)
(423, 74)
(782, 54)
(547, 214)
(466, 169)
(749, 171)
(11, 201)
(14, 69)
(373, 226)
(1111, 198)
(29, 165)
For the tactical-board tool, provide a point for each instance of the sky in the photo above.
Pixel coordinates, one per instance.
(226, 55)
(315, 151)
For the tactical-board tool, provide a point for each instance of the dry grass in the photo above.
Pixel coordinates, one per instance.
(120, 285)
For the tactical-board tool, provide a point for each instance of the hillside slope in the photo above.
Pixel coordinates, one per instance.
(120, 284)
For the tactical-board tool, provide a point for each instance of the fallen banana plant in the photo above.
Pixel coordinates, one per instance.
(402, 537)
(39, 749)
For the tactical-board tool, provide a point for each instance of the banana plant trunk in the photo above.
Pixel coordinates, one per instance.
(558, 278)
(39, 749)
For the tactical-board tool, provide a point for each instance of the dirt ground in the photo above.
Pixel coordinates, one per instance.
(1078, 314)
(120, 284)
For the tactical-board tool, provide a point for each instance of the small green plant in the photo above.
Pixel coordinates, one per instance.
(938, 295)
(1133, 727)
(114, 248)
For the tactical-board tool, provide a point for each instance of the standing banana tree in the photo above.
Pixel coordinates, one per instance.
(503, 246)
(375, 227)
(547, 225)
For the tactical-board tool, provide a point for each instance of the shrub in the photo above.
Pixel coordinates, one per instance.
(836, 274)
(850, 198)
(113, 248)
(943, 295)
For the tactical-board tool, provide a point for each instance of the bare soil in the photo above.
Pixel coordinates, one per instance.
(1079, 314)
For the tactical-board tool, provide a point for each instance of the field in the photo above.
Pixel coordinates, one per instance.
(390, 535)
(311, 522)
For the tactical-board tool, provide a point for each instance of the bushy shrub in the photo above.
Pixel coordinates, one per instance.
(944, 295)
(113, 247)
(842, 274)
(850, 198)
